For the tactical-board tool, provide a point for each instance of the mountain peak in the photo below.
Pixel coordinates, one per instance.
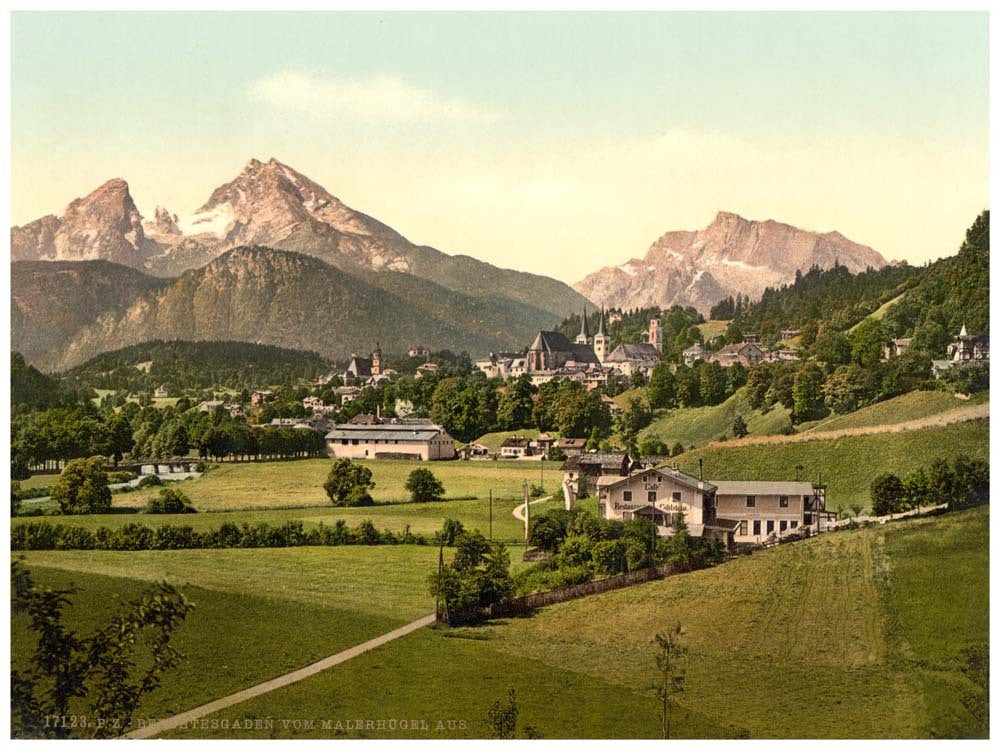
(732, 255)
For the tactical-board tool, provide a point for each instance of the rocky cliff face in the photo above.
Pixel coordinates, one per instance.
(104, 225)
(268, 203)
(731, 255)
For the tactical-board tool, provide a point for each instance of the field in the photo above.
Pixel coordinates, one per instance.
(860, 634)
(259, 613)
(847, 465)
(274, 484)
(422, 518)
(879, 313)
(712, 328)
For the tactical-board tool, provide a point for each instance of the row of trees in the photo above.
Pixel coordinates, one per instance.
(961, 483)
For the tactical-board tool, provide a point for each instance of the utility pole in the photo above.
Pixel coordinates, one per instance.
(437, 595)
(527, 517)
(491, 514)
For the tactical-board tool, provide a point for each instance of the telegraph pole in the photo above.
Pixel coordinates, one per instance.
(437, 595)
(491, 514)
(527, 517)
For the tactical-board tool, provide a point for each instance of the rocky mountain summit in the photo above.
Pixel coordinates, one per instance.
(267, 204)
(730, 256)
(104, 225)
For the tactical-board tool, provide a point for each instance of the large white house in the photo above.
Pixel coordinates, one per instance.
(416, 439)
(664, 496)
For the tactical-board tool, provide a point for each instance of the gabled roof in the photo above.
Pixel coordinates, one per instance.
(516, 442)
(677, 476)
(762, 488)
(553, 341)
(601, 460)
(625, 352)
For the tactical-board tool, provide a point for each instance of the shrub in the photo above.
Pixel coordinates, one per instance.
(423, 486)
(150, 480)
(170, 501)
(83, 487)
(348, 484)
(117, 477)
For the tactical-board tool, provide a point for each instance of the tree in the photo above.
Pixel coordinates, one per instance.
(670, 657)
(423, 486)
(348, 484)
(514, 408)
(740, 427)
(713, 383)
(807, 394)
(832, 347)
(662, 389)
(653, 446)
(849, 388)
(170, 501)
(101, 669)
(502, 717)
(856, 509)
(477, 576)
(867, 343)
(887, 494)
(83, 487)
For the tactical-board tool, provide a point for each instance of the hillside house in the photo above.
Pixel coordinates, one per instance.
(770, 510)
(428, 368)
(896, 348)
(416, 439)
(782, 355)
(790, 333)
(571, 446)
(418, 351)
(313, 403)
(516, 447)
(259, 398)
(544, 442)
(748, 354)
(581, 472)
(161, 392)
(348, 393)
(631, 358)
(664, 496)
(474, 451)
(964, 351)
(236, 410)
(692, 354)
(209, 406)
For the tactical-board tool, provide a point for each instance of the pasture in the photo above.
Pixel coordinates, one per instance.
(273, 484)
(858, 634)
(847, 465)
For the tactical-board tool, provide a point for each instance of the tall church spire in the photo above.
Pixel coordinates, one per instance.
(584, 337)
(600, 326)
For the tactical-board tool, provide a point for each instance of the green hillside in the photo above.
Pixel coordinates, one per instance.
(847, 465)
(913, 405)
(700, 425)
(834, 637)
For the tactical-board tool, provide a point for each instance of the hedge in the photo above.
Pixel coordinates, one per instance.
(42, 535)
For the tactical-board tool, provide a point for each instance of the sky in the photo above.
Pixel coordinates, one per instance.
(554, 143)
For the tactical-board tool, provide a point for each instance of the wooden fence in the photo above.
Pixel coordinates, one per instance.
(523, 604)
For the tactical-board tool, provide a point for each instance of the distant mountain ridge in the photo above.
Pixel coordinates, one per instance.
(252, 294)
(730, 256)
(270, 204)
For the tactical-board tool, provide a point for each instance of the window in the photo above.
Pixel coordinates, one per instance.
(751, 501)
(808, 519)
(795, 524)
(783, 526)
(344, 441)
(677, 497)
(354, 442)
(756, 527)
(770, 527)
(783, 501)
(627, 496)
(651, 496)
(743, 528)
(602, 509)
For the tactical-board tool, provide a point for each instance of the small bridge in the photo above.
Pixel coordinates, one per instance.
(158, 467)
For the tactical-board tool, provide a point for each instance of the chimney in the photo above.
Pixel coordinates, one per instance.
(701, 472)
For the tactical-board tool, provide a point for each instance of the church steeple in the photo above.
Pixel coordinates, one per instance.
(584, 337)
(602, 344)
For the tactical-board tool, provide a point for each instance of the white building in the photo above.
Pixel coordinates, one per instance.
(416, 439)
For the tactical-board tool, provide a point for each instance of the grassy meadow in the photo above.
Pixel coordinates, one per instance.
(909, 406)
(273, 484)
(859, 634)
(847, 465)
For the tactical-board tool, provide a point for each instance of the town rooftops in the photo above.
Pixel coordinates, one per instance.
(553, 341)
(602, 460)
(624, 352)
(762, 488)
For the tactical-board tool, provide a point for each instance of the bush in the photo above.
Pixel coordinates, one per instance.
(348, 484)
(118, 477)
(150, 480)
(83, 487)
(423, 486)
(170, 501)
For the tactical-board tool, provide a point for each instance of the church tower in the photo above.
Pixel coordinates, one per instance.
(377, 360)
(656, 334)
(584, 337)
(602, 343)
